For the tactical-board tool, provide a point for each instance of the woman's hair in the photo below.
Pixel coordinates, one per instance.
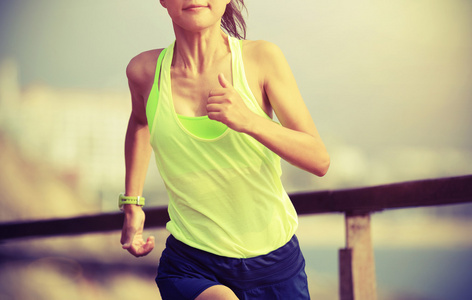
(232, 21)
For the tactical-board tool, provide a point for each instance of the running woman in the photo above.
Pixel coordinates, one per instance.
(204, 105)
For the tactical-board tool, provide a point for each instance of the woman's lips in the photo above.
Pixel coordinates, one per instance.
(195, 7)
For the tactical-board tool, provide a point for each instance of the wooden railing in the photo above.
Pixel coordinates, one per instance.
(356, 260)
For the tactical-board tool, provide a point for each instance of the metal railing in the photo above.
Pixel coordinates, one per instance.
(356, 260)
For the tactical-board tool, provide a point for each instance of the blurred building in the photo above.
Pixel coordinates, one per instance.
(78, 133)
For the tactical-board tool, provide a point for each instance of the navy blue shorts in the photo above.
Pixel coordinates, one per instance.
(185, 272)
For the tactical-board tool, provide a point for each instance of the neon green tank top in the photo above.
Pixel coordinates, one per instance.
(225, 192)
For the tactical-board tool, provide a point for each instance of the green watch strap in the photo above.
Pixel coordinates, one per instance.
(137, 200)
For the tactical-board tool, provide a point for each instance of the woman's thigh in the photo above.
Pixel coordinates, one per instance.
(217, 292)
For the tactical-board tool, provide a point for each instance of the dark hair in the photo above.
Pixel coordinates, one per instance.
(232, 21)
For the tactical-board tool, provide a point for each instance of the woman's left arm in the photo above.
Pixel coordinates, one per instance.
(297, 141)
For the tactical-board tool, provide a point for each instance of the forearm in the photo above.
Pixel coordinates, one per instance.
(298, 148)
(137, 155)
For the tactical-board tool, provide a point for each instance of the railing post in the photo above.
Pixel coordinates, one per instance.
(356, 261)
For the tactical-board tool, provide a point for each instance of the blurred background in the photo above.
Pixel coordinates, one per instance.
(388, 84)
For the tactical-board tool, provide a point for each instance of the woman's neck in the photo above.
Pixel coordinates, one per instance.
(197, 51)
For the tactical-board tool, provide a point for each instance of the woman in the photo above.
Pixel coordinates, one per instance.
(205, 106)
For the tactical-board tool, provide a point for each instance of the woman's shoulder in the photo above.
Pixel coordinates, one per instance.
(261, 50)
(263, 56)
(142, 68)
(265, 59)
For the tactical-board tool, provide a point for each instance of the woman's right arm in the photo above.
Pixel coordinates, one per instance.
(137, 154)
(137, 147)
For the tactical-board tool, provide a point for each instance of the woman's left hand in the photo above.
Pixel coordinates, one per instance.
(226, 106)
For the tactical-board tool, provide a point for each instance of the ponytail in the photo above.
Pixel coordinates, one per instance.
(232, 21)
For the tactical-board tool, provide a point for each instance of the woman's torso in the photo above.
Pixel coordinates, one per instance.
(225, 193)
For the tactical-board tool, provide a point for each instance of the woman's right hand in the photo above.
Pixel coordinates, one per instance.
(132, 232)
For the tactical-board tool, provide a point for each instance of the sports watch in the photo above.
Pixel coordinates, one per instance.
(137, 200)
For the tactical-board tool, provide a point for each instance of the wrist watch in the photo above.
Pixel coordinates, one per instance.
(137, 200)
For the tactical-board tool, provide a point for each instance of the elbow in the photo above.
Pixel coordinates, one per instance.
(321, 167)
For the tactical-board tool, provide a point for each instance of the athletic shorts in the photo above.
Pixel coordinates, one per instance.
(185, 272)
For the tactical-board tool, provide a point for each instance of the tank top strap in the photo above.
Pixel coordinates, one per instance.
(236, 61)
(239, 77)
(153, 99)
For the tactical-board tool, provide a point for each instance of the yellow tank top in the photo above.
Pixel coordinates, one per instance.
(225, 192)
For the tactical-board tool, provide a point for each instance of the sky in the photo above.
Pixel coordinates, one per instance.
(387, 82)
